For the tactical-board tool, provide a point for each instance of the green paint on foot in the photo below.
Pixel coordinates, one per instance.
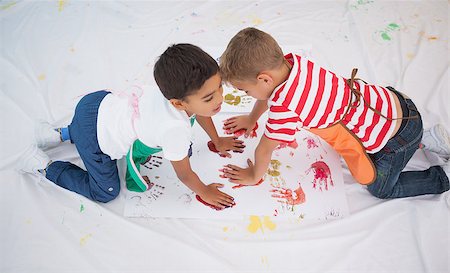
(81, 208)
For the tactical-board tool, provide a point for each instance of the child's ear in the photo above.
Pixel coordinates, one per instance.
(179, 104)
(265, 77)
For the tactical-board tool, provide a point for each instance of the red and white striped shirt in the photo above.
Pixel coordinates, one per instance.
(313, 97)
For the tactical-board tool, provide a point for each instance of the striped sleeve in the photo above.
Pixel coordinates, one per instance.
(281, 124)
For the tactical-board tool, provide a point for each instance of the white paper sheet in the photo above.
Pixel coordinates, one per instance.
(301, 182)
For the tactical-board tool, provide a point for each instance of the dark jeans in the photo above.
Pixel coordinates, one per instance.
(391, 182)
(101, 180)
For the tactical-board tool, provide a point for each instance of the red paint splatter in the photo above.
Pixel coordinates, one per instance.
(241, 132)
(205, 203)
(311, 142)
(292, 145)
(213, 148)
(292, 198)
(322, 175)
(241, 186)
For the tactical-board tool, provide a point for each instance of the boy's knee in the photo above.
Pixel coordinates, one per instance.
(105, 198)
(377, 192)
(105, 195)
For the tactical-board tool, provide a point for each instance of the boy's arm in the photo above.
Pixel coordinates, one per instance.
(246, 121)
(208, 125)
(222, 144)
(209, 193)
(254, 172)
(258, 109)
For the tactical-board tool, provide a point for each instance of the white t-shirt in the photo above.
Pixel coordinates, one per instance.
(159, 125)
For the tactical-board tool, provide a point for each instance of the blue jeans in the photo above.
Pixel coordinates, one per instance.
(389, 162)
(101, 180)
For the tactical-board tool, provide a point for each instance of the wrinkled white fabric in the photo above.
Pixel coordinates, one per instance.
(54, 52)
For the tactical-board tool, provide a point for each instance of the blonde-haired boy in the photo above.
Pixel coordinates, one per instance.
(375, 129)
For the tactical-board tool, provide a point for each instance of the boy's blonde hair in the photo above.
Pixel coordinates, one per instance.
(250, 52)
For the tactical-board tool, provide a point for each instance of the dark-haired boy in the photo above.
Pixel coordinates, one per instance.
(107, 126)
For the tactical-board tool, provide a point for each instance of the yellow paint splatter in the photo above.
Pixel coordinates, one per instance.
(273, 172)
(231, 99)
(7, 6)
(61, 4)
(41, 77)
(410, 56)
(265, 260)
(28, 221)
(84, 239)
(268, 223)
(256, 224)
(225, 229)
(256, 21)
(432, 38)
(274, 168)
(275, 164)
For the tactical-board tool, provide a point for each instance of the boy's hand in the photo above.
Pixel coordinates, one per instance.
(234, 124)
(212, 195)
(225, 144)
(240, 175)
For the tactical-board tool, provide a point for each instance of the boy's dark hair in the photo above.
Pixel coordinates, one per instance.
(182, 69)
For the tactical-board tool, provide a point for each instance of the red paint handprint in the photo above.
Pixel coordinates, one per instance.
(291, 197)
(241, 132)
(322, 175)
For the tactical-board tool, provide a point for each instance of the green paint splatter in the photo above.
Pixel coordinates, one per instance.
(361, 3)
(7, 6)
(393, 26)
(385, 36)
(81, 208)
(385, 33)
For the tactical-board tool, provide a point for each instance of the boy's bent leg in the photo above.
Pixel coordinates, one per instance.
(391, 182)
(101, 180)
(95, 186)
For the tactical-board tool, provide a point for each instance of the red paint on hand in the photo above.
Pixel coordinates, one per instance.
(241, 132)
(213, 148)
(205, 203)
(240, 185)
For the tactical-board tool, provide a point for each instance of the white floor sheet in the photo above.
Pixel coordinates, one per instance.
(53, 52)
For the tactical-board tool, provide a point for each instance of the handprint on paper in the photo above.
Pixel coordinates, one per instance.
(152, 162)
(154, 190)
(274, 168)
(322, 175)
(235, 99)
(273, 174)
(288, 196)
